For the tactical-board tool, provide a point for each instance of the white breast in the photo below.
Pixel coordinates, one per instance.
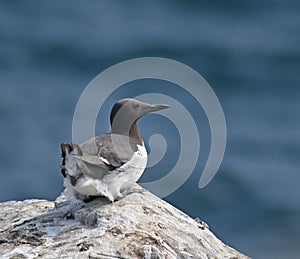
(136, 165)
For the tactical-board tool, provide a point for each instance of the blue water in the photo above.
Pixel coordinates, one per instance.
(249, 52)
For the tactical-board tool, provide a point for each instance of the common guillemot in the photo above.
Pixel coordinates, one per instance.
(107, 165)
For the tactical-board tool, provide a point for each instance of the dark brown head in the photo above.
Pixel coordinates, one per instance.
(126, 112)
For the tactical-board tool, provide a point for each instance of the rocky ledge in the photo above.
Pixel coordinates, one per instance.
(138, 226)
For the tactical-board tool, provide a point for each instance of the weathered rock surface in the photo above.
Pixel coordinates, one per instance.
(138, 226)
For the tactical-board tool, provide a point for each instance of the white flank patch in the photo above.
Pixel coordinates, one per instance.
(104, 160)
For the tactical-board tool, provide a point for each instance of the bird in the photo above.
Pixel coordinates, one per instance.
(107, 165)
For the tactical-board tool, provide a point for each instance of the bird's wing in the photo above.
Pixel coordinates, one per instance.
(116, 149)
(80, 163)
(98, 156)
(92, 160)
(112, 150)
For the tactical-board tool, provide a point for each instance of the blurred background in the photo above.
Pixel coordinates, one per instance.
(249, 52)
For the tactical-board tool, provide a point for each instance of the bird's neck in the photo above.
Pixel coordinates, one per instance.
(132, 131)
(135, 133)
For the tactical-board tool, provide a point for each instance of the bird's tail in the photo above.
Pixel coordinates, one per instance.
(66, 150)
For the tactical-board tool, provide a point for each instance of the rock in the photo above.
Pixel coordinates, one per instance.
(138, 226)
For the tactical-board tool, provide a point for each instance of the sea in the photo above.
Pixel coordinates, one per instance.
(247, 50)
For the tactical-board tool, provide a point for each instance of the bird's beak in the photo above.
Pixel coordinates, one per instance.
(155, 107)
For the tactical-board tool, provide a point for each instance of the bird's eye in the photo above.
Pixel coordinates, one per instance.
(136, 106)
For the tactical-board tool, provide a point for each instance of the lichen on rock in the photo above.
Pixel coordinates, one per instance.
(138, 226)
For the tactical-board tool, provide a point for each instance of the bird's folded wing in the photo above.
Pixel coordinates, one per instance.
(101, 151)
(93, 160)
(96, 161)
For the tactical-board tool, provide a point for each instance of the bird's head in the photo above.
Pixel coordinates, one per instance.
(127, 111)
